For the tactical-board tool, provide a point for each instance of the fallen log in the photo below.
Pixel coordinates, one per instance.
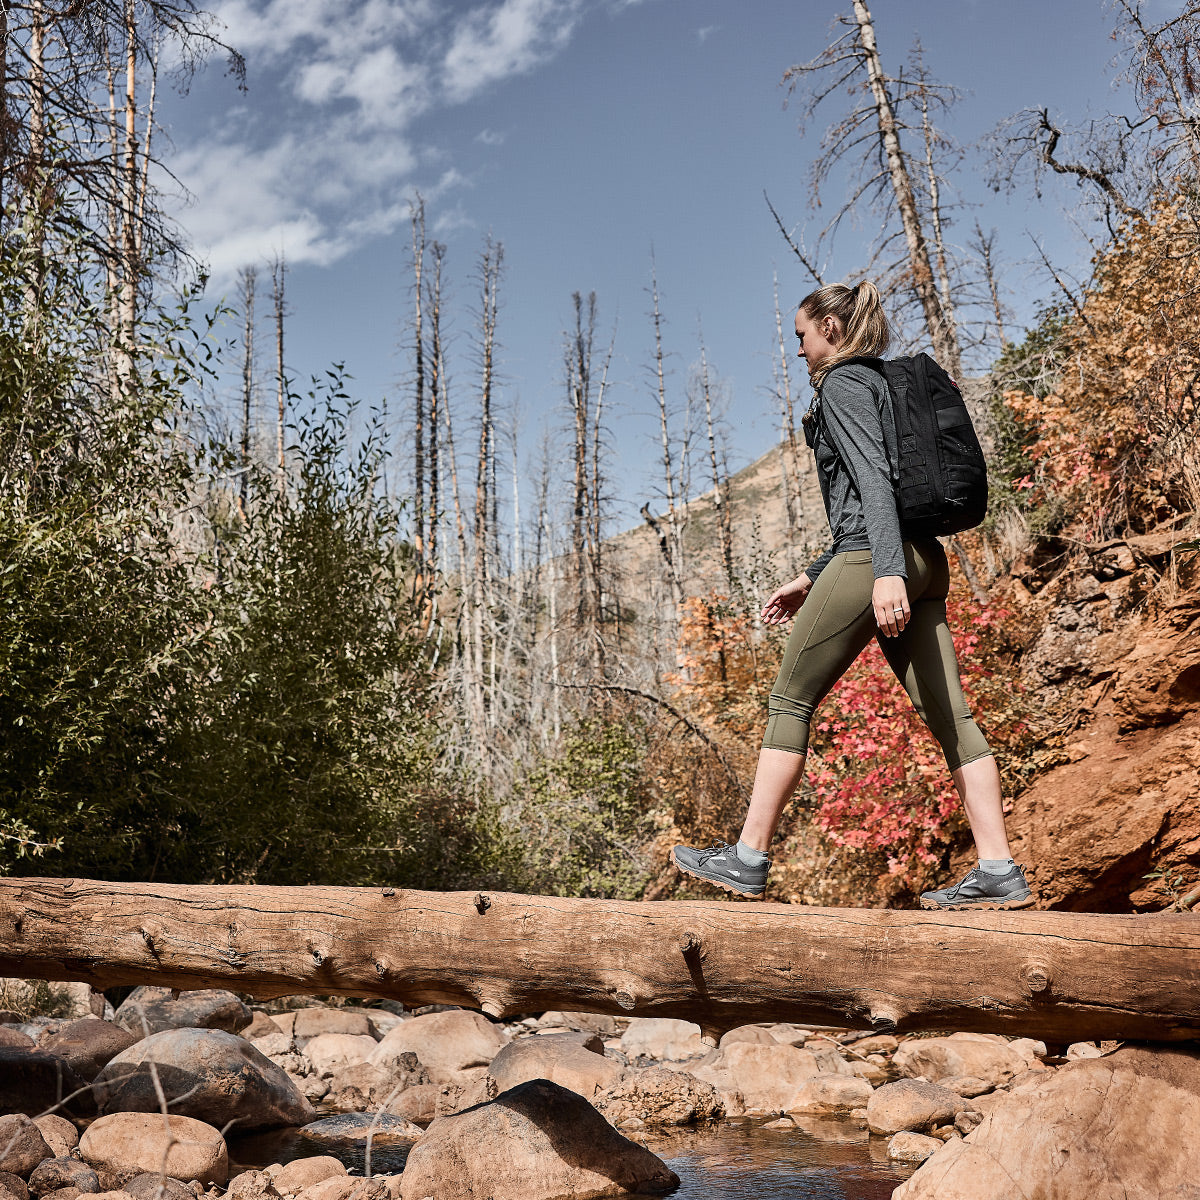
(1059, 976)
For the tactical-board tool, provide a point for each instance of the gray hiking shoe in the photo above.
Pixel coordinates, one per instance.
(981, 890)
(720, 865)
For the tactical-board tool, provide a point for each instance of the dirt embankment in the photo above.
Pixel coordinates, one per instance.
(1114, 651)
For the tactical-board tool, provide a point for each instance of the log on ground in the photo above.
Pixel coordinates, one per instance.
(1059, 976)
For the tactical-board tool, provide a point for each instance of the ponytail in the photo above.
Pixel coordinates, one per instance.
(859, 312)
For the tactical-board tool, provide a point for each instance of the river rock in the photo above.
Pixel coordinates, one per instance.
(877, 1043)
(1126, 1124)
(906, 1146)
(354, 1129)
(61, 1136)
(314, 1022)
(347, 1187)
(330, 1052)
(37, 1081)
(754, 1034)
(150, 1185)
(22, 1146)
(260, 1025)
(300, 1173)
(560, 1059)
(756, 1077)
(960, 1054)
(227, 1081)
(14, 1186)
(367, 1087)
(659, 1096)
(829, 1059)
(967, 1086)
(827, 1094)
(149, 1010)
(909, 1104)
(662, 1038)
(536, 1142)
(873, 1073)
(89, 1044)
(446, 1043)
(10, 1036)
(599, 1023)
(252, 1185)
(129, 1143)
(55, 1173)
(423, 1102)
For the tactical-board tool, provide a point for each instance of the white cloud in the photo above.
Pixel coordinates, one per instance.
(490, 137)
(491, 44)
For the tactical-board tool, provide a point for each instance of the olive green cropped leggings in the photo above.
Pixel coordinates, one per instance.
(834, 625)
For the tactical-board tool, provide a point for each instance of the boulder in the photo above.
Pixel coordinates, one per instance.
(149, 1010)
(910, 1104)
(659, 1096)
(330, 1052)
(89, 1044)
(536, 1142)
(366, 1086)
(346, 1187)
(912, 1147)
(560, 1059)
(349, 1022)
(445, 1043)
(755, 1034)
(14, 1037)
(300, 1173)
(967, 1086)
(151, 1185)
(207, 1074)
(61, 1136)
(1127, 1124)
(579, 1037)
(829, 1059)
(55, 1173)
(425, 1101)
(599, 1023)
(129, 1143)
(877, 1043)
(260, 1025)
(874, 1074)
(67, 1193)
(354, 1129)
(22, 1146)
(960, 1054)
(14, 1186)
(252, 1185)
(757, 1078)
(663, 1038)
(37, 1081)
(825, 1094)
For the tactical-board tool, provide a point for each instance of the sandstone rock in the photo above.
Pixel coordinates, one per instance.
(564, 1062)
(912, 1147)
(967, 1086)
(225, 1078)
(909, 1104)
(284, 1022)
(829, 1060)
(301, 1173)
(133, 1142)
(754, 1034)
(354, 1129)
(659, 1096)
(759, 1078)
(831, 1094)
(877, 1043)
(149, 1010)
(260, 1025)
(1095, 1128)
(22, 1146)
(1030, 1050)
(367, 1087)
(346, 1187)
(36, 1081)
(534, 1142)
(278, 1045)
(89, 1044)
(1080, 1050)
(425, 1101)
(252, 1185)
(14, 1037)
(959, 1054)
(330, 1052)
(445, 1043)
(874, 1074)
(150, 1185)
(663, 1038)
(13, 1185)
(599, 1023)
(61, 1136)
(55, 1173)
(67, 1193)
(314, 1022)
(788, 1033)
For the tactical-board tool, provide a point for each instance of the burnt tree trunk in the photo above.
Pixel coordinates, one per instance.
(1059, 976)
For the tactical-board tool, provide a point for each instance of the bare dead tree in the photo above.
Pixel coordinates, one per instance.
(984, 248)
(420, 504)
(437, 387)
(578, 363)
(278, 284)
(789, 458)
(246, 281)
(720, 479)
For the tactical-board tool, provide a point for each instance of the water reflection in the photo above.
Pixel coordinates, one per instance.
(814, 1159)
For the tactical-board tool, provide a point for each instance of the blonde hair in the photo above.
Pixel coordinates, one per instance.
(859, 312)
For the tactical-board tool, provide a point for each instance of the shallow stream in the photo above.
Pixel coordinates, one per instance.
(737, 1160)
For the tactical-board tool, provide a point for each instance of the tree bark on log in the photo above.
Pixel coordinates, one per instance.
(1063, 977)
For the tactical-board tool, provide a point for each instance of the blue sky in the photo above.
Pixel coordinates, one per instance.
(585, 135)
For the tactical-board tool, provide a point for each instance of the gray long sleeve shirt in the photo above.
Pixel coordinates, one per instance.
(854, 444)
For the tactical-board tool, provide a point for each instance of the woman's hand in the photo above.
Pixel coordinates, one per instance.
(786, 601)
(889, 598)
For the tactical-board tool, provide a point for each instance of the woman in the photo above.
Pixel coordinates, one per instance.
(870, 583)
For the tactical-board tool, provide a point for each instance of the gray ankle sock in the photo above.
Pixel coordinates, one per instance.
(996, 866)
(750, 857)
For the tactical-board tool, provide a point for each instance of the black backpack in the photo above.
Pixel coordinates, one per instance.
(941, 479)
